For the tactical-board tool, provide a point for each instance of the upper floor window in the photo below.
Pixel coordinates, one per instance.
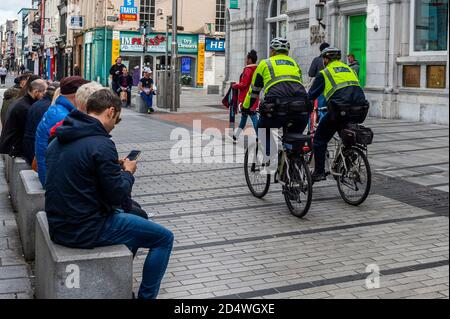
(429, 25)
(147, 12)
(278, 24)
(220, 16)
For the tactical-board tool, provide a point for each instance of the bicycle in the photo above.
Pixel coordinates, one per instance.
(348, 162)
(293, 172)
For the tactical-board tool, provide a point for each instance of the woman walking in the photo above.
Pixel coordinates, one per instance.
(243, 86)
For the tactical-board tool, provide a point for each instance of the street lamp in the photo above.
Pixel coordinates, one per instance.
(320, 12)
(145, 29)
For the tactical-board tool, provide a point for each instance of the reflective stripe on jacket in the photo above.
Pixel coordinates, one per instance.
(277, 69)
(337, 76)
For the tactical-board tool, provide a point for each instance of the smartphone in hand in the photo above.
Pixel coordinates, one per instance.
(134, 155)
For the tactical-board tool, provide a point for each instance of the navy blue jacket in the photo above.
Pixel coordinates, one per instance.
(35, 114)
(351, 95)
(84, 181)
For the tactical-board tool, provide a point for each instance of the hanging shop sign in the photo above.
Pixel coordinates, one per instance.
(215, 45)
(76, 22)
(128, 12)
(132, 42)
(201, 60)
(115, 46)
(234, 4)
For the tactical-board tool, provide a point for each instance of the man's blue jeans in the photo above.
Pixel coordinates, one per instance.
(136, 232)
(148, 99)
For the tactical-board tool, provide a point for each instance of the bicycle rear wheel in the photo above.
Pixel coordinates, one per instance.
(355, 181)
(258, 182)
(298, 190)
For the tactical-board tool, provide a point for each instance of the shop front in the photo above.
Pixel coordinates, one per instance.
(214, 61)
(50, 68)
(97, 55)
(133, 56)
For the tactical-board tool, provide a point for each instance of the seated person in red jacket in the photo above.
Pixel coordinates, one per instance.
(125, 84)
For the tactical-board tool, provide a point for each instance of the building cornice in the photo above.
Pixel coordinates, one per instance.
(242, 22)
(298, 12)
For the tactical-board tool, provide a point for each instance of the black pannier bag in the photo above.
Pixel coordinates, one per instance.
(351, 114)
(357, 135)
(286, 107)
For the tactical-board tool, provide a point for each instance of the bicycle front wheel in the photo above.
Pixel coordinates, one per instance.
(258, 182)
(355, 177)
(298, 190)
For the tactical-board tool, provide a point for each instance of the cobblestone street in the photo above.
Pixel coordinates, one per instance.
(231, 245)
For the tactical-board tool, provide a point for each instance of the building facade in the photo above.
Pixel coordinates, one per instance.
(106, 33)
(401, 45)
(64, 37)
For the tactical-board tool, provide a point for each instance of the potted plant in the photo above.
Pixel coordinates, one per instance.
(186, 79)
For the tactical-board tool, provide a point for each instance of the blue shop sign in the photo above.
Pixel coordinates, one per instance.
(216, 45)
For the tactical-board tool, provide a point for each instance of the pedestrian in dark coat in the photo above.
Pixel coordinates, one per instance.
(35, 114)
(11, 140)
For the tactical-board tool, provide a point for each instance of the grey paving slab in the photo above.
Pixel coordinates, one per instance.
(228, 243)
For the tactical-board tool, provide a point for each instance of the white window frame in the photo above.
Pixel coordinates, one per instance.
(224, 20)
(412, 52)
(279, 18)
(150, 14)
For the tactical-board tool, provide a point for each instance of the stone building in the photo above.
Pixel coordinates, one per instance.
(402, 46)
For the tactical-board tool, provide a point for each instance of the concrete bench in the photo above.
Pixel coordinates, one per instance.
(141, 106)
(18, 165)
(8, 166)
(65, 273)
(30, 201)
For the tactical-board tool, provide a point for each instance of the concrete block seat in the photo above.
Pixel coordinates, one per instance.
(18, 165)
(30, 201)
(65, 273)
(8, 166)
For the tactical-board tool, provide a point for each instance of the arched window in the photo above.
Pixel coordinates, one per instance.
(277, 20)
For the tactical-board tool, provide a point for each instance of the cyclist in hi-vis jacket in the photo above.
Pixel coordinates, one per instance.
(280, 78)
(341, 87)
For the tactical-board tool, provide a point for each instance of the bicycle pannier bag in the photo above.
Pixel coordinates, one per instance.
(357, 135)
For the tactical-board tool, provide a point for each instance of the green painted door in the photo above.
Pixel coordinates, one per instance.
(358, 43)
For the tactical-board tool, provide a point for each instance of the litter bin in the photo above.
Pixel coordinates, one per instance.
(163, 90)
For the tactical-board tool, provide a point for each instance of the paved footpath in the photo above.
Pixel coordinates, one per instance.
(231, 245)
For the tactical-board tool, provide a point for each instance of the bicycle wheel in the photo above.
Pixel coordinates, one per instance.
(298, 190)
(355, 181)
(258, 182)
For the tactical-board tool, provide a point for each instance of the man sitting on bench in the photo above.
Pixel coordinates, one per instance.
(85, 181)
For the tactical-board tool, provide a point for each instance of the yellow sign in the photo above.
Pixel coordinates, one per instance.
(115, 46)
(201, 60)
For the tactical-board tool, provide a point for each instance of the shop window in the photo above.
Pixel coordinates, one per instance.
(220, 16)
(186, 66)
(430, 25)
(436, 76)
(411, 76)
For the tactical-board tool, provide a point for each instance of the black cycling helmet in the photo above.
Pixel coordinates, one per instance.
(280, 45)
(332, 54)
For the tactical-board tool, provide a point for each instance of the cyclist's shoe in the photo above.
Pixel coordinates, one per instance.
(319, 176)
(235, 140)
